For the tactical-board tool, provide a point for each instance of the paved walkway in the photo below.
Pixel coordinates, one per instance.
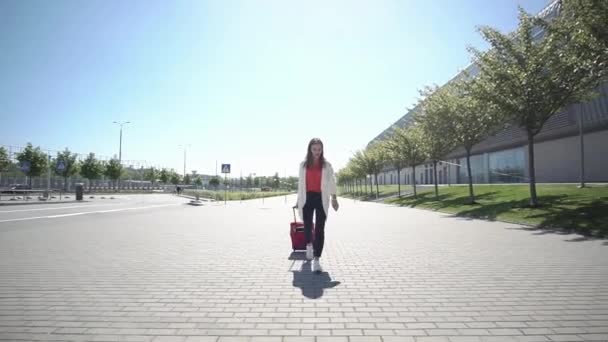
(167, 271)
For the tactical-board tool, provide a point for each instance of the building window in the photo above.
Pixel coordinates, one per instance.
(478, 169)
(507, 166)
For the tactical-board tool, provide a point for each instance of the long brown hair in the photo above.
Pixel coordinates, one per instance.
(309, 158)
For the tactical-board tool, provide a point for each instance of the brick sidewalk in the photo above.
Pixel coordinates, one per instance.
(222, 274)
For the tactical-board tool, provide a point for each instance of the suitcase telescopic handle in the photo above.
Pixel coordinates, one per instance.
(294, 214)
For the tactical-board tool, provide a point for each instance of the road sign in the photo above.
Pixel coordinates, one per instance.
(25, 166)
(225, 168)
(60, 166)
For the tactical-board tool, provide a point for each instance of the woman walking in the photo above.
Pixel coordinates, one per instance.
(316, 188)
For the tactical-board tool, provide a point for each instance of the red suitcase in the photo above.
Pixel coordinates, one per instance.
(296, 230)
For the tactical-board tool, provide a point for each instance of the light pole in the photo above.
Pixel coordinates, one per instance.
(120, 144)
(185, 147)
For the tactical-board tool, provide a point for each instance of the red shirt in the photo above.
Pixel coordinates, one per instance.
(313, 178)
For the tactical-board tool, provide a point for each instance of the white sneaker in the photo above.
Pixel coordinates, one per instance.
(316, 266)
(309, 251)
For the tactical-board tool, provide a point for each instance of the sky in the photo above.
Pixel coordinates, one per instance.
(246, 83)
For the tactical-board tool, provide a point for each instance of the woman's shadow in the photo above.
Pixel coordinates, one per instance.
(311, 283)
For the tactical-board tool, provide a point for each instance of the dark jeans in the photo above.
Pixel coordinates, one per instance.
(314, 204)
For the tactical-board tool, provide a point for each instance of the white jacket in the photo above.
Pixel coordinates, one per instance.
(328, 187)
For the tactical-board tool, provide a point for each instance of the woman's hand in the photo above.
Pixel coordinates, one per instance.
(334, 203)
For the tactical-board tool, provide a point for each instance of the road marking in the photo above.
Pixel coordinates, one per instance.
(66, 215)
(88, 212)
(57, 208)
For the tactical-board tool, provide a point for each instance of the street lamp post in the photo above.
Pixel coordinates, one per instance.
(185, 147)
(120, 144)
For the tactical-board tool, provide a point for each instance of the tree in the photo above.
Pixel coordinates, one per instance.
(34, 160)
(187, 179)
(175, 178)
(4, 161)
(345, 178)
(411, 145)
(132, 172)
(531, 78)
(395, 157)
(582, 28)
(372, 160)
(292, 183)
(198, 181)
(583, 24)
(469, 119)
(377, 160)
(164, 176)
(357, 167)
(350, 177)
(214, 181)
(435, 122)
(91, 168)
(151, 175)
(113, 170)
(66, 165)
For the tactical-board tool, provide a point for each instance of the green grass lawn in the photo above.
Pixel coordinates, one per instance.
(236, 195)
(567, 207)
(385, 191)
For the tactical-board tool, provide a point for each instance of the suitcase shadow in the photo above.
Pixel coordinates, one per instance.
(311, 283)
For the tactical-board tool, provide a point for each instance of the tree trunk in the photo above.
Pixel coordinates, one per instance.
(582, 145)
(361, 186)
(90, 181)
(377, 190)
(435, 179)
(399, 181)
(414, 180)
(471, 194)
(65, 183)
(533, 198)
